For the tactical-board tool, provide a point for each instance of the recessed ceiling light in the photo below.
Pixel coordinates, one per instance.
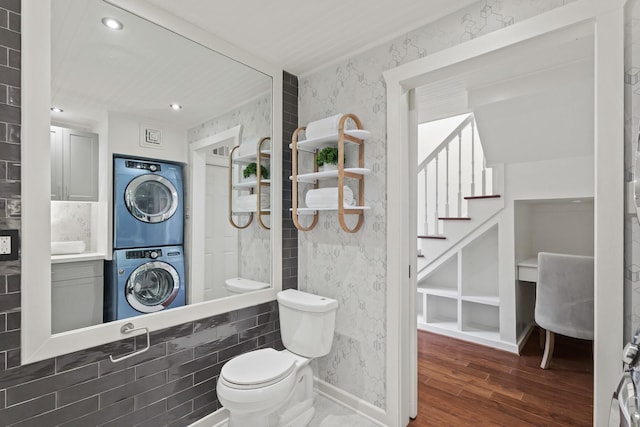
(112, 23)
(175, 106)
(57, 109)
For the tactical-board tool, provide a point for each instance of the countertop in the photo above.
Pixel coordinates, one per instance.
(84, 256)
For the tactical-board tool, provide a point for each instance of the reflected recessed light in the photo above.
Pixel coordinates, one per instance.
(57, 109)
(175, 106)
(112, 23)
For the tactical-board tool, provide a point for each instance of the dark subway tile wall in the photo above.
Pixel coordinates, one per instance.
(289, 231)
(172, 384)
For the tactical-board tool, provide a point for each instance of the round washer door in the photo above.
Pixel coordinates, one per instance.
(152, 286)
(151, 198)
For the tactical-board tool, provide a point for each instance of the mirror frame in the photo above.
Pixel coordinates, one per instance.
(37, 341)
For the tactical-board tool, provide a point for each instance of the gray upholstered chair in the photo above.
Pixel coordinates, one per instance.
(564, 298)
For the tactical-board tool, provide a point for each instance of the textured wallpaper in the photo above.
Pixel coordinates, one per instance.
(352, 267)
(255, 118)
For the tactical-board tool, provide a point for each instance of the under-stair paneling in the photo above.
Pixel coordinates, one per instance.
(550, 179)
(480, 268)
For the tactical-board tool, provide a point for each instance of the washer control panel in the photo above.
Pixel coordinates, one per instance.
(151, 167)
(143, 254)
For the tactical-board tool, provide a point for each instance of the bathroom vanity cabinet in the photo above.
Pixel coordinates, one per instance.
(74, 165)
(76, 294)
(258, 186)
(312, 146)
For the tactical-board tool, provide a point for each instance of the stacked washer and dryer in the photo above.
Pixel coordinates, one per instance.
(146, 274)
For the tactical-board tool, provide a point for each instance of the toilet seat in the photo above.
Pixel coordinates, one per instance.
(256, 369)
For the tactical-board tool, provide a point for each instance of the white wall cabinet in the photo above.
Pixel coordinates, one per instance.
(76, 295)
(74, 165)
(461, 297)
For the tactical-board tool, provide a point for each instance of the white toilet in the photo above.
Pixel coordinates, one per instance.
(240, 285)
(269, 388)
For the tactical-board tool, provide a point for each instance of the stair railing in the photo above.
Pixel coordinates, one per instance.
(436, 188)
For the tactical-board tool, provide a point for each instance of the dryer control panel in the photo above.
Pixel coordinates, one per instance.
(146, 253)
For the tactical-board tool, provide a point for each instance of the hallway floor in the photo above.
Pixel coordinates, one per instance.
(460, 383)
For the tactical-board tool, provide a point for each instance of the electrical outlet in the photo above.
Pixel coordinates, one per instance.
(5, 245)
(9, 245)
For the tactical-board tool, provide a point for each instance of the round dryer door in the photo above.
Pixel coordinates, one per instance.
(152, 286)
(151, 198)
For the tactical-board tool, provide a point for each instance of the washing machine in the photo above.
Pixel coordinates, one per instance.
(144, 280)
(148, 203)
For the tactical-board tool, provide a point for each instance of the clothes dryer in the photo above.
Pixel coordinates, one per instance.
(148, 203)
(144, 280)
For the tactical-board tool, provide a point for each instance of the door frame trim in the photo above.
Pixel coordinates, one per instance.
(607, 21)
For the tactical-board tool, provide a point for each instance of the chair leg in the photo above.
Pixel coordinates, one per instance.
(548, 349)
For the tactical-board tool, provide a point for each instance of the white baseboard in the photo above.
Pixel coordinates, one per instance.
(362, 408)
(215, 419)
(524, 337)
(341, 397)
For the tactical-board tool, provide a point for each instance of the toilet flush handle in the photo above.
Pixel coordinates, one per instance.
(128, 328)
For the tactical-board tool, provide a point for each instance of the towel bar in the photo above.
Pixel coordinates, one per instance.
(128, 328)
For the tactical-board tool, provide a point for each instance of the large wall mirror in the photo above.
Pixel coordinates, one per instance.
(116, 68)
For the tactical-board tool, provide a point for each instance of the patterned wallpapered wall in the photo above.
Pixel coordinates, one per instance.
(255, 118)
(352, 268)
(632, 126)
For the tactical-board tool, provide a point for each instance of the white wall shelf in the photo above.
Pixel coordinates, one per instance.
(245, 159)
(354, 136)
(248, 185)
(312, 178)
(261, 156)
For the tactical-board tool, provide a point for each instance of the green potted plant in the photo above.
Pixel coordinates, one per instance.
(327, 159)
(252, 171)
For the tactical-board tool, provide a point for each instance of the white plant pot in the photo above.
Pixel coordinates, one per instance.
(328, 167)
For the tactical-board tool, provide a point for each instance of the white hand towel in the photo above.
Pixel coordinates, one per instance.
(323, 127)
(328, 197)
(249, 202)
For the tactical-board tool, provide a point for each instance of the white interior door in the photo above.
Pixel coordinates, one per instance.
(221, 239)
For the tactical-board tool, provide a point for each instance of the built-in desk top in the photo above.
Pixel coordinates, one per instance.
(528, 270)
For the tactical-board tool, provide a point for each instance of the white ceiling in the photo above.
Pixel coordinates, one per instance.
(301, 36)
(143, 68)
(139, 70)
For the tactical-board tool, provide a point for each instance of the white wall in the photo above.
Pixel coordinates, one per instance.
(124, 138)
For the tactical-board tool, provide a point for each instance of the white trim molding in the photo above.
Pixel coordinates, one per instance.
(605, 20)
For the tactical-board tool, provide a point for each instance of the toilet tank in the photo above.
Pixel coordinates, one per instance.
(307, 322)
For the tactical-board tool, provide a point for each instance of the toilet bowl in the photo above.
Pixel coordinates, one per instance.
(270, 388)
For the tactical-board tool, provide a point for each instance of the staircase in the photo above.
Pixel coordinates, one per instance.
(455, 192)
(459, 201)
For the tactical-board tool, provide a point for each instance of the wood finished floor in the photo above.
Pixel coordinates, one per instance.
(464, 384)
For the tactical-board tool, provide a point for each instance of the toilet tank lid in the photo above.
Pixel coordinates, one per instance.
(240, 284)
(306, 302)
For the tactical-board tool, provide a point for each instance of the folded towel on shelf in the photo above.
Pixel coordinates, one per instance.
(328, 197)
(323, 127)
(249, 202)
(249, 146)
